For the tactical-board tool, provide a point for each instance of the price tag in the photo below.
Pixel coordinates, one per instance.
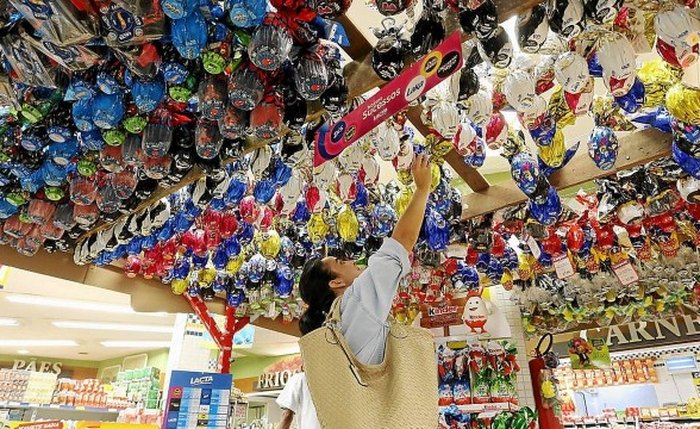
(534, 246)
(626, 273)
(575, 206)
(562, 265)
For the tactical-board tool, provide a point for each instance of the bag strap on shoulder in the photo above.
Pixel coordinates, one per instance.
(333, 316)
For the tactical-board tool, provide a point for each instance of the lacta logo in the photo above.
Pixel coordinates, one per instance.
(208, 379)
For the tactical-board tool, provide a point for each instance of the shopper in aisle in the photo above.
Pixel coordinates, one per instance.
(367, 294)
(295, 401)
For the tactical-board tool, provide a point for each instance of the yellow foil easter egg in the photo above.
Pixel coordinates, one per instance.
(234, 264)
(402, 201)
(179, 286)
(317, 228)
(269, 243)
(348, 226)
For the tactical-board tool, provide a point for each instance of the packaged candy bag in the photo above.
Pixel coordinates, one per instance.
(603, 147)
(445, 395)
(446, 361)
(234, 123)
(132, 154)
(107, 200)
(481, 389)
(461, 392)
(124, 183)
(393, 7)
(63, 217)
(111, 159)
(157, 167)
(498, 49)
(58, 21)
(566, 17)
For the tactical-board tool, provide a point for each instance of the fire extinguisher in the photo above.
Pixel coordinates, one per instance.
(544, 360)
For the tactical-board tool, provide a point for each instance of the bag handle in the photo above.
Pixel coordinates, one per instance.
(332, 324)
(333, 315)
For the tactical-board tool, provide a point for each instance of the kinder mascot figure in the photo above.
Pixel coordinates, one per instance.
(477, 311)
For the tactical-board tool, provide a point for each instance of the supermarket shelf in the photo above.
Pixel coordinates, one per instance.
(670, 419)
(24, 405)
(481, 408)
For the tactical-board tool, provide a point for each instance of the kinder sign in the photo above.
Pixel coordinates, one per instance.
(423, 75)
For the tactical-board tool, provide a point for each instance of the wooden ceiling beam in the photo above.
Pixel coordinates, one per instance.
(361, 77)
(359, 45)
(637, 148)
(471, 176)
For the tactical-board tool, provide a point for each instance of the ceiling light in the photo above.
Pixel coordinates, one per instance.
(37, 343)
(76, 305)
(136, 344)
(112, 326)
(22, 352)
(4, 321)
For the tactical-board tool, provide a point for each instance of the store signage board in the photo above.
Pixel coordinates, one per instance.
(277, 375)
(473, 314)
(636, 335)
(198, 399)
(38, 366)
(436, 66)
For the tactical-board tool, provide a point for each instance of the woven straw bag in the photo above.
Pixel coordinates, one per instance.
(399, 393)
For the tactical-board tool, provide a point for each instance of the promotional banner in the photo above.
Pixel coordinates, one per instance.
(198, 399)
(471, 315)
(413, 82)
(589, 354)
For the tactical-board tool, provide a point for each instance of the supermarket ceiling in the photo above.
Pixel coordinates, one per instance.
(44, 316)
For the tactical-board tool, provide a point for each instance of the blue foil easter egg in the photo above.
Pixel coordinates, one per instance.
(547, 212)
(107, 111)
(603, 147)
(189, 35)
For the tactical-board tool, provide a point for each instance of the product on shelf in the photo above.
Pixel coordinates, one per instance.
(139, 386)
(26, 386)
(476, 374)
(628, 371)
(454, 418)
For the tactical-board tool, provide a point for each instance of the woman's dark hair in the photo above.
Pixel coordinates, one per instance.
(317, 294)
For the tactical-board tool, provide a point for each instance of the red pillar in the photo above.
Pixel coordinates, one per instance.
(223, 339)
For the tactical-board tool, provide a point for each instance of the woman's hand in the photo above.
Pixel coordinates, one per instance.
(422, 173)
(408, 227)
